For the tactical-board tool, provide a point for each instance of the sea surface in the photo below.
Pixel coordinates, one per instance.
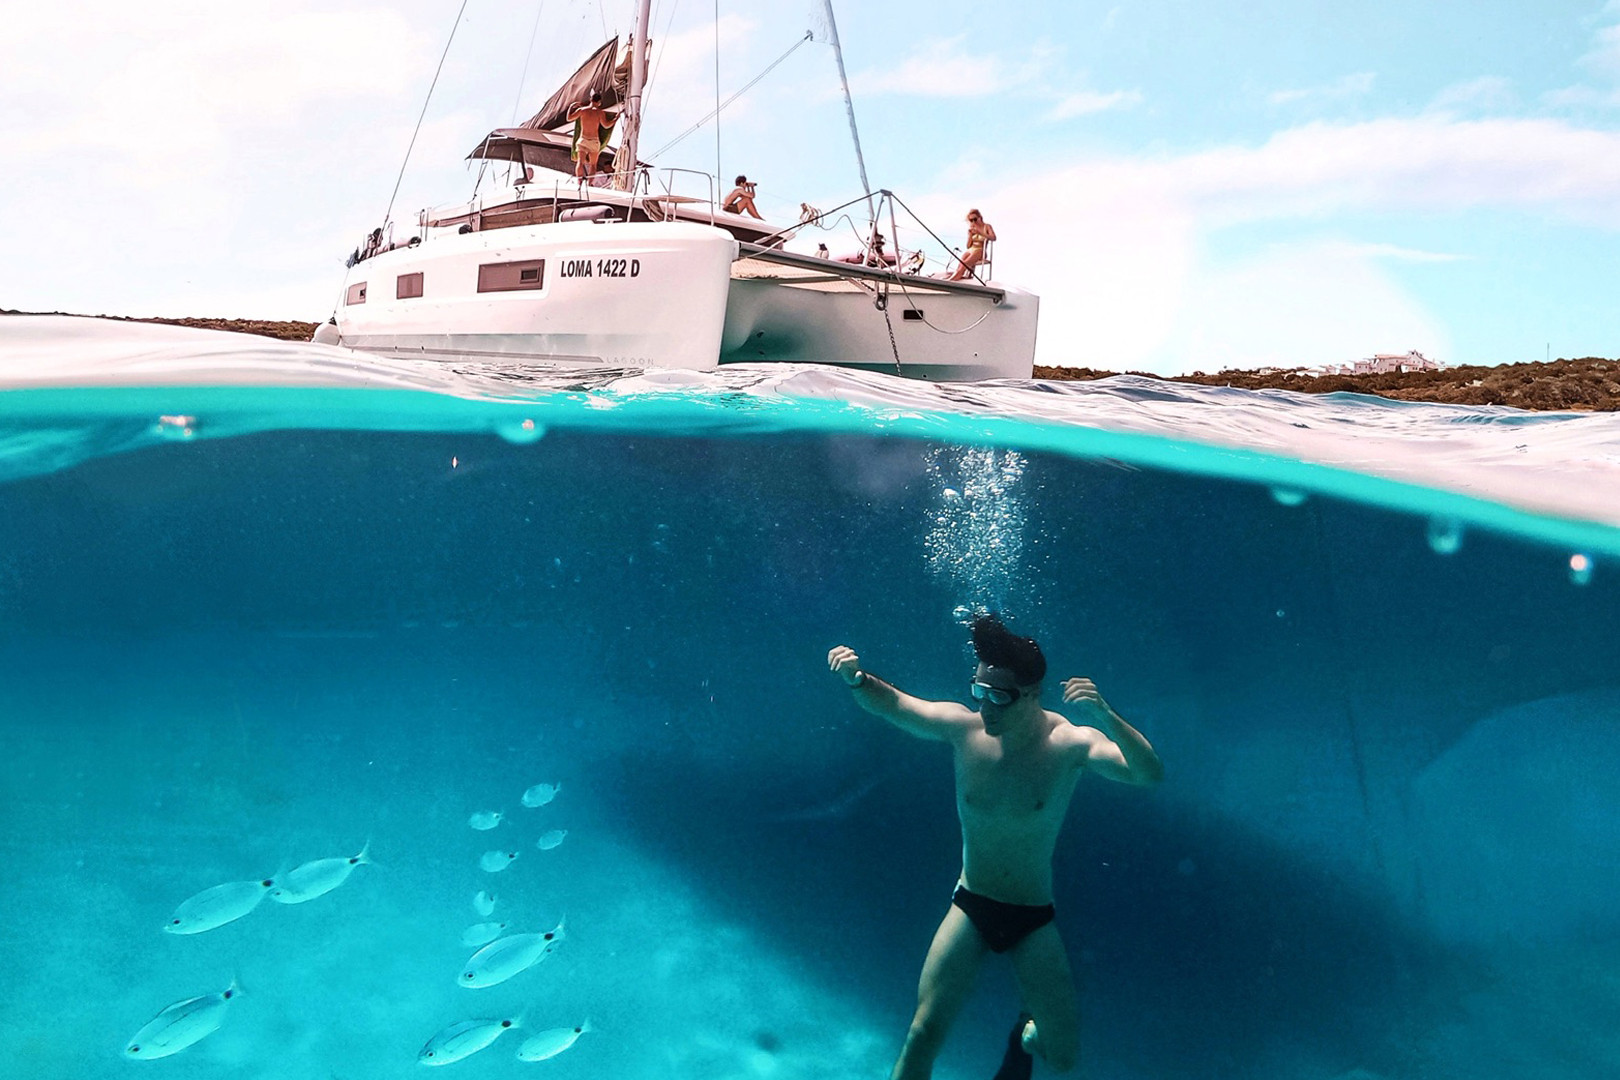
(263, 604)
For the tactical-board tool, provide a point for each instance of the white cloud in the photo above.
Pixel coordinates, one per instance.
(1127, 281)
(1602, 60)
(941, 67)
(1298, 306)
(1350, 86)
(1088, 102)
(1487, 93)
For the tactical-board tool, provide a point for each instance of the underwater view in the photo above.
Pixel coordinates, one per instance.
(371, 717)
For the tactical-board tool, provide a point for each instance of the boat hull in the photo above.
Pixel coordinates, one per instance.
(572, 293)
(955, 336)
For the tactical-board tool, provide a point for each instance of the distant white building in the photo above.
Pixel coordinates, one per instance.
(1379, 363)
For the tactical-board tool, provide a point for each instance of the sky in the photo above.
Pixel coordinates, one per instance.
(1188, 186)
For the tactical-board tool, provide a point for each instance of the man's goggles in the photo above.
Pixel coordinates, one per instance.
(995, 695)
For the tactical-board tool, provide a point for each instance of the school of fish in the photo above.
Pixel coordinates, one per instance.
(498, 958)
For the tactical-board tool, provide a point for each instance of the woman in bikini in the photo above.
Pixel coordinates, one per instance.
(980, 232)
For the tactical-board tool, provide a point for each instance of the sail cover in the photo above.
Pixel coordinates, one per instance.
(597, 73)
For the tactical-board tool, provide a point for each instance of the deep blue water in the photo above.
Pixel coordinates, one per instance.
(296, 621)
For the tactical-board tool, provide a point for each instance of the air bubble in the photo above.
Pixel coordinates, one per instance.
(176, 427)
(1580, 568)
(521, 431)
(1445, 535)
(1287, 496)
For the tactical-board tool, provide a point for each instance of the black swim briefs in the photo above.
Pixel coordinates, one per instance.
(1001, 925)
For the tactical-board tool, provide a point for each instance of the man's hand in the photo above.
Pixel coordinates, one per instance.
(843, 662)
(1083, 692)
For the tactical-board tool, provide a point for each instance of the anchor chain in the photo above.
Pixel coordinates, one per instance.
(882, 302)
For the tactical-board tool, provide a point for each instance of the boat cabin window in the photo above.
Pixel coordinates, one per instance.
(512, 276)
(407, 286)
(357, 293)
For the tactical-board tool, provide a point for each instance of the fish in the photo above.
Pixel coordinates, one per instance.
(484, 820)
(217, 906)
(496, 861)
(505, 957)
(482, 933)
(551, 1042)
(551, 839)
(181, 1024)
(540, 794)
(318, 877)
(464, 1039)
(484, 902)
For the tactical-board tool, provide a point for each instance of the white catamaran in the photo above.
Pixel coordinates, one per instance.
(640, 267)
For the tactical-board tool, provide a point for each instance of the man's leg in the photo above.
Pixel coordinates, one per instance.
(947, 978)
(1047, 986)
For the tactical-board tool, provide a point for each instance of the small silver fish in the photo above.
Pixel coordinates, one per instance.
(463, 1039)
(180, 1025)
(551, 839)
(540, 794)
(484, 820)
(550, 1043)
(482, 933)
(318, 877)
(496, 861)
(484, 902)
(217, 906)
(505, 957)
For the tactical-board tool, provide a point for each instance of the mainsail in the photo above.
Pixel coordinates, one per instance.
(598, 74)
(535, 142)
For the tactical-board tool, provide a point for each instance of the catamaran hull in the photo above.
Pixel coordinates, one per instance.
(641, 295)
(938, 336)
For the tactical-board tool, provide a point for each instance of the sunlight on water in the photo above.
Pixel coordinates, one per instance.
(454, 657)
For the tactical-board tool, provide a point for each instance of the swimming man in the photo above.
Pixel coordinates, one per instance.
(1016, 767)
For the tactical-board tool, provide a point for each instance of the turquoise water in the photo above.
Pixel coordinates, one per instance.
(246, 624)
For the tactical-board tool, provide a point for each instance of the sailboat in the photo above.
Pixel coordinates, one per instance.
(640, 267)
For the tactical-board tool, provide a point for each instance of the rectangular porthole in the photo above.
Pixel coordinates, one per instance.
(407, 286)
(357, 293)
(915, 314)
(512, 276)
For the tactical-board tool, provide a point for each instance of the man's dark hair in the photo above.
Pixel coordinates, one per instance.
(596, 95)
(741, 180)
(1000, 647)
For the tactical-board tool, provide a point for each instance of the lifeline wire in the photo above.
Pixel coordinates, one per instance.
(389, 212)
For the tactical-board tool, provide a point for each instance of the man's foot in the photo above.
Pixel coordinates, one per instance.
(1016, 1063)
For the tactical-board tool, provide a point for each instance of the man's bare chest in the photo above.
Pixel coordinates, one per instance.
(994, 786)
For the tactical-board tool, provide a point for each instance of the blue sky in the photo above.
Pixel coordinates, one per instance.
(1187, 186)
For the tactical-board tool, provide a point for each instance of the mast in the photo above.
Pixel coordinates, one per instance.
(849, 107)
(624, 178)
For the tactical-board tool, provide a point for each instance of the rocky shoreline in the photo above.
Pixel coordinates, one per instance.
(1588, 384)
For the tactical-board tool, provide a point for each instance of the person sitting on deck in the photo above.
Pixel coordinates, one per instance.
(741, 199)
(980, 233)
(593, 126)
(873, 256)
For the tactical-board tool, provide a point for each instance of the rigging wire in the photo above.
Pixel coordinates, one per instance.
(717, 170)
(418, 129)
(523, 79)
(658, 61)
(808, 36)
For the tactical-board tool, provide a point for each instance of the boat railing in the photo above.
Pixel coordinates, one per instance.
(667, 176)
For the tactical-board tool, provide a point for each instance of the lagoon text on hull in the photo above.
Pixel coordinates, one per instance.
(613, 263)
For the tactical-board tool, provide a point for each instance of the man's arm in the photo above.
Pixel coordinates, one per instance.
(945, 721)
(1115, 749)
